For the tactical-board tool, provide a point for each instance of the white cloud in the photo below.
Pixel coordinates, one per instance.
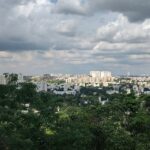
(143, 57)
(4, 54)
(122, 30)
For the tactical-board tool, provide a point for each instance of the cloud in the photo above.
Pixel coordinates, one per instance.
(18, 25)
(5, 55)
(78, 34)
(143, 57)
(31, 25)
(135, 10)
(69, 7)
(66, 27)
(121, 30)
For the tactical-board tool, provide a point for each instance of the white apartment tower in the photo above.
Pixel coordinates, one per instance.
(3, 80)
(100, 74)
(20, 78)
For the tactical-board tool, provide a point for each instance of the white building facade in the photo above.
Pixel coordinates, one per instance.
(3, 80)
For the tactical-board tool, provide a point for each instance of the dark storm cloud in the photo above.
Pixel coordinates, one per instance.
(21, 46)
(135, 10)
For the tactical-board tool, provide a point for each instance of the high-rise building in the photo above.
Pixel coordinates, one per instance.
(100, 74)
(3, 80)
(20, 78)
(95, 74)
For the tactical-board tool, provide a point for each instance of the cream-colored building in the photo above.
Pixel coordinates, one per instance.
(96, 78)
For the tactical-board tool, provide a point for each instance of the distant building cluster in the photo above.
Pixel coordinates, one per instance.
(105, 75)
(95, 78)
(70, 84)
(57, 88)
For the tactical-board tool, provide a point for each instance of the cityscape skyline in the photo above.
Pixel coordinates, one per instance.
(127, 74)
(75, 36)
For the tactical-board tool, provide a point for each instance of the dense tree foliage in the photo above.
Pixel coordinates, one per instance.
(35, 121)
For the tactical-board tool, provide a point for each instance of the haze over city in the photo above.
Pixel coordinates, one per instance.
(74, 36)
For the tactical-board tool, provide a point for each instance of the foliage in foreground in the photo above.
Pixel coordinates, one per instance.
(53, 122)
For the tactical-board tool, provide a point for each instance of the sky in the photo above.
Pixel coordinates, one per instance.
(75, 36)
